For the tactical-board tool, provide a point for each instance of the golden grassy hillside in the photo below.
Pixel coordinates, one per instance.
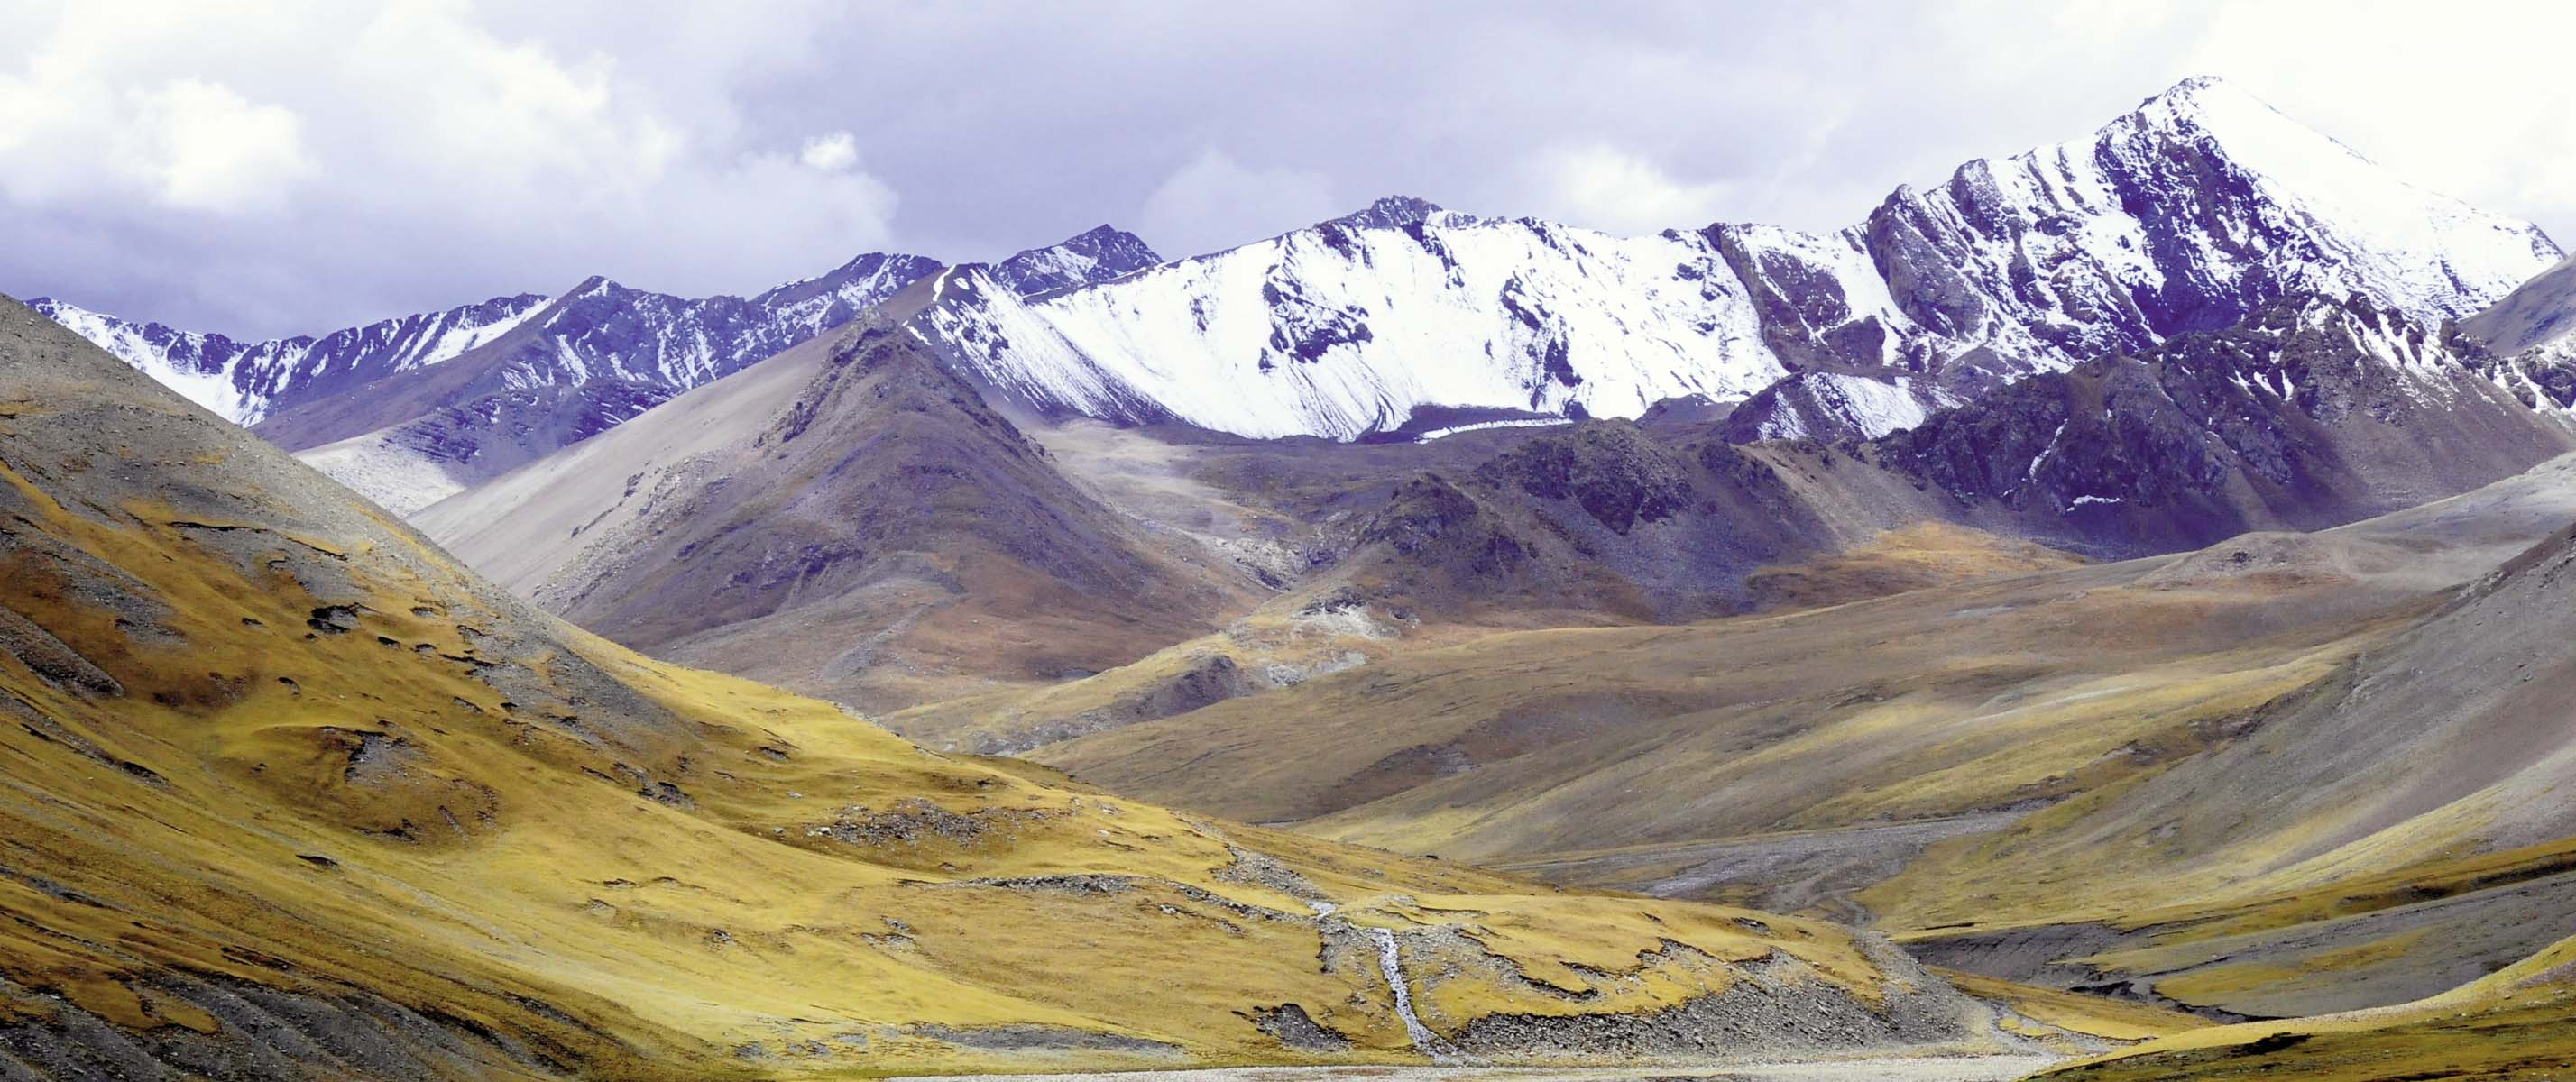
(289, 794)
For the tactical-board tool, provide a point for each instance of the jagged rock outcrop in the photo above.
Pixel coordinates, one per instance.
(1103, 253)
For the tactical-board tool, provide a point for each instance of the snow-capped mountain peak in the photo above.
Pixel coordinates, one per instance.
(2187, 214)
(2409, 247)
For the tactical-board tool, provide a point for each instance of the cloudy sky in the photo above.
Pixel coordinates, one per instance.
(270, 168)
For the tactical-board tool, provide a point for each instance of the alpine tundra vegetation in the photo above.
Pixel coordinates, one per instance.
(2102, 615)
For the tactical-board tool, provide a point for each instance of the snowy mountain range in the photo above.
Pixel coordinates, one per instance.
(1100, 255)
(452, 397)
(598, 329)
(2185, 215)
(244, 382)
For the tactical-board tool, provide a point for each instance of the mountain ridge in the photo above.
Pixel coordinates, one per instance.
(2183, 215)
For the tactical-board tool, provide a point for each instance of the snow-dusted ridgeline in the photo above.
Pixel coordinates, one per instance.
(601, 329)
(244, 381)
(597, 330)
(2185, 215)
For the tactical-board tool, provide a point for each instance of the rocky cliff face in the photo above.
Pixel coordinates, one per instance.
(2186, 215)
(1832, 405)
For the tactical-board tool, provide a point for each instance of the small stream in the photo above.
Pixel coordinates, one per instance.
(1424, 1041)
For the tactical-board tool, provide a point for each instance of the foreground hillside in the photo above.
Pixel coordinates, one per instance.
(292, 795)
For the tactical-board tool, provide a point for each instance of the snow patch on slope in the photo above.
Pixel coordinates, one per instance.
(398, 478)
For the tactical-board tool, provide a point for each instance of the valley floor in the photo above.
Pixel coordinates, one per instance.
(1994, 1068)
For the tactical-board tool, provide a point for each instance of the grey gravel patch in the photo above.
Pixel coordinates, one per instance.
(1930, 1068)
(1053, 884)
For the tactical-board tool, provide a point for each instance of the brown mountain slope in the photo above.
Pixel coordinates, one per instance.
(1589, 695)
(286, 793)
(874, 533)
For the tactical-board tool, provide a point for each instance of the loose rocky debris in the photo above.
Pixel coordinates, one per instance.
(663, 792)
(1780, 1004)
(1037, 1038)
(1263, 870)
(1290, 1025)
(56, 663)
(223, 1027)
(1054, 884)
(916, 820)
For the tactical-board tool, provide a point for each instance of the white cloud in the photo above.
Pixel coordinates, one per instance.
(831, 153)
(208, 148)
(400, 155)
(1204, 205)
(1609, 189)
